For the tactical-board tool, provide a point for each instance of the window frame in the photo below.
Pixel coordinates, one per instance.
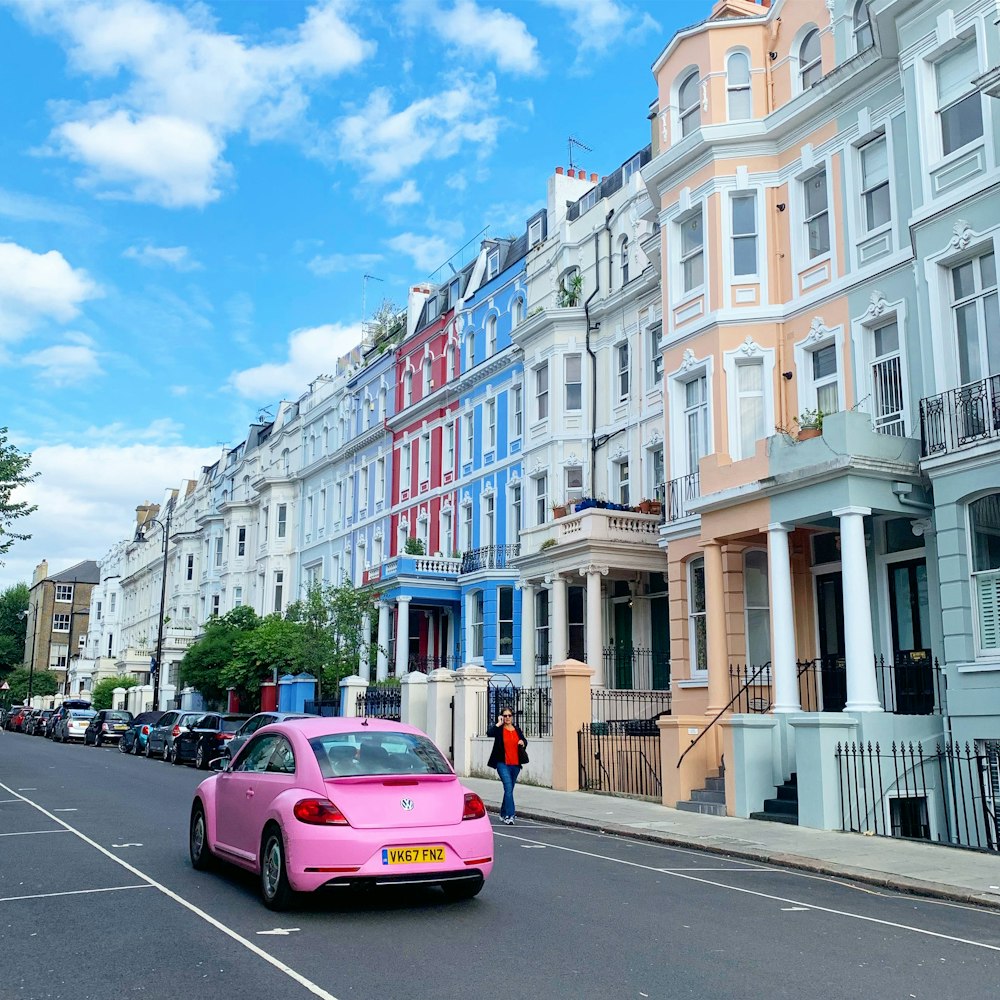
(866, 190)
(623, 370)
(739, 89)
(686, 258)
(541, 373)
(477, 621)
(977, 577)
(805, 70)
(689, 116)
(749, 629)
(696, 671)
(505, 624)
(573, 387)
(968, 41)
(753, 235)
(808, 218)
(860, 24)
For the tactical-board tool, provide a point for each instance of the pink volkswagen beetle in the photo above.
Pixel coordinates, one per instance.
(329, 803)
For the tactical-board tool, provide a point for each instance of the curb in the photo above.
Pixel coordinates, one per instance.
(798, 862)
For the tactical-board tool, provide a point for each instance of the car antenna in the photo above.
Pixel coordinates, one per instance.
(364, 721)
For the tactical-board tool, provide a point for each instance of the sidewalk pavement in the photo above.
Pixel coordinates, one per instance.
(908, 866)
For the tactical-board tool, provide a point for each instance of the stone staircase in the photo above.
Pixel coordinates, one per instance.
(784, 807)
(710, 800)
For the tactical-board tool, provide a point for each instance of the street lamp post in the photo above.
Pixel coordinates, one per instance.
(34, 640)
(163, 598)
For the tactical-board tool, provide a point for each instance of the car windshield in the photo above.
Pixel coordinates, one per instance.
(79, 713)
(342, 755)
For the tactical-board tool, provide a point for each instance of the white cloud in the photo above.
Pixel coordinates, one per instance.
(38, 286)
(408, 194)
(187, 88)
(478, 31)
(337, 263)
(426, 252)
(66, 364)
(389, 144)
(311, 352)
(601, 24)
(457, 182)
(87, 494)
(26, 207)
(178, 258)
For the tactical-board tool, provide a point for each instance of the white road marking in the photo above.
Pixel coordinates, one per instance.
(30, 833)
(64, 810)
(766, 895)
(72, 892)
(534, 847)
(740, 870)
(126, 845)
(7, 802)
(795, 909)
(312, 987)
(23, 789)
(280, 931)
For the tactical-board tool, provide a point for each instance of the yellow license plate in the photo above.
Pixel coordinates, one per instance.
(413, 855)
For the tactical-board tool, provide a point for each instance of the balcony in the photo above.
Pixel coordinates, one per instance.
(489, 557)
(427, 567)
(960, 418)
(678, 495)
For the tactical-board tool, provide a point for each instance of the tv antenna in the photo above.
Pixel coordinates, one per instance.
(574, 142)
(364, 290)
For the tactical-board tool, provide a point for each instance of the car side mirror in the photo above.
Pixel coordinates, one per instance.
(219, 764)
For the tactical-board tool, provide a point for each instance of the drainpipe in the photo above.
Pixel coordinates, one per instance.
(590, 352)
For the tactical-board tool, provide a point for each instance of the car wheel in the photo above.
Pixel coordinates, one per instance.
(201, 856)
(200, 758)
(149, 750)
(175, 756)
(166, 753)
(121, 746)
(275, 891)
(464, 889)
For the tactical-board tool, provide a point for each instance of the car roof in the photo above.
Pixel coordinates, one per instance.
(329, 725)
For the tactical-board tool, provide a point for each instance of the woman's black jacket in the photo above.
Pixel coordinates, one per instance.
(497, 755)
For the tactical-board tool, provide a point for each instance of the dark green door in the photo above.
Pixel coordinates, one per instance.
(623, 645)
(913, 675)
(832, 663)
(659, 614)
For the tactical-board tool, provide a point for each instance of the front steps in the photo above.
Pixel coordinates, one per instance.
(710, 800)
(784, 807)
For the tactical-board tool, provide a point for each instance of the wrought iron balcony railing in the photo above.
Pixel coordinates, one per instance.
(960, 417)
(678, 495)
(489, 557)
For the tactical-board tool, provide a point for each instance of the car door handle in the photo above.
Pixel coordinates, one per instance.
(249, 793)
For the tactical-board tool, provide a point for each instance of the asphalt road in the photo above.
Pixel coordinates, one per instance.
(98, 900)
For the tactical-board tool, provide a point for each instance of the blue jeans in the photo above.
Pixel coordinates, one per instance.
(508, 775)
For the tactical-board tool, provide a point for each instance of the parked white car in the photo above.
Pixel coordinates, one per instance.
(72, 725)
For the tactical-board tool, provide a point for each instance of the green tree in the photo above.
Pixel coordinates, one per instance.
(13, 628)
(43, 683)
(276, 643)
(205, 661)
(13, 474)
(103, 695)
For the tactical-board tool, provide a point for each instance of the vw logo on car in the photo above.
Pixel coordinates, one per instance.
(407, 805)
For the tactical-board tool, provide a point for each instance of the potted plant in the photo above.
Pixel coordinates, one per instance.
(549, 543)
(647, 506)
(810, 424)
(569, 293)
(558, 508)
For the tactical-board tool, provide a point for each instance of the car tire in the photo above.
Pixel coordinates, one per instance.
(175, 756)
(165, 756)
(201, 854)
(149, 750)
(465, 889)
(275, 891)
(121, 746)
(201, 758)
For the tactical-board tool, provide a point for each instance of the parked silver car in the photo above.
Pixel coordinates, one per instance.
(161, 736)
(72, 724)
(255, 722)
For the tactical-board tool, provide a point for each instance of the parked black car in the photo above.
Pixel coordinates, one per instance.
(107, 726)
(134, 738)
(36, 724)
(203, 742)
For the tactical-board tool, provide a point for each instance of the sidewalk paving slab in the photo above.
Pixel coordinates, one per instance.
(935, 870)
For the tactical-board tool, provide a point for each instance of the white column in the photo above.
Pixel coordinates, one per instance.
(559, 624)
(595, 623)
(447, 638)
(527, 635)
(779, 576)
(382, 655)
(351, 688)
(365, 665)
(859, 644)
(431, 631)
(413, 700)
(402, 634)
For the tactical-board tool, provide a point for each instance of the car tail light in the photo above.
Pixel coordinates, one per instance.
(175, 732)
(145, 730)
(319, 812)
(474, 808)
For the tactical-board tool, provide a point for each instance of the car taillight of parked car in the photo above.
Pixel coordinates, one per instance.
(319, 812)
(145, 730)
(175, 732)
(474, 808)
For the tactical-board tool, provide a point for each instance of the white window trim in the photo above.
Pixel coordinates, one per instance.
(616, 393)
(513, 409)
(855, 189)
(740, 51)
(879, 313)
(680, 79)
(748, 351)
(761, 277)
(695, 672)
(852, 14)
(681, 296)
(692, 368)
(795, 63)
(819, 336)
(492, 264)
(471, 603)
(981, 654)
(800, 245)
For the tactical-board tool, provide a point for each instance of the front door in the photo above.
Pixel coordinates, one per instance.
(832, 663)
(912, 669)
(623, 680)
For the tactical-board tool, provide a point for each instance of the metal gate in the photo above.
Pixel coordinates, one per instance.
(621, 757)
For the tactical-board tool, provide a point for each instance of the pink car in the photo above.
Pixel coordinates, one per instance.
(330, 803)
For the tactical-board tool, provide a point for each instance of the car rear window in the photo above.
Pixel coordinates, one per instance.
(231, 725)
(342, 755)
(80, 713)
(119, 716)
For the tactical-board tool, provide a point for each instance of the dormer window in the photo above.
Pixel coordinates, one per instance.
(810, 60)
(453, 292)
(689, 104)
(863, 38)
(493, 263)
(535, 233)
(630, 168)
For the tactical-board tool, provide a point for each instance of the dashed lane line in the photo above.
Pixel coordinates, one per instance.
(30, 833)
(73, 892)
(287, 970)
(765, 895)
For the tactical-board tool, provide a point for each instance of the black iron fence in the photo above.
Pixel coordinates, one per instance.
(381, 702)
(489, 557)
(628, 667)
(324, 706)
(532, 708)
(947, 795)
(641, 709)
(959, 417)
(618, 758)
(679, 494)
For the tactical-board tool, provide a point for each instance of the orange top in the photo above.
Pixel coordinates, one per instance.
(510, 739)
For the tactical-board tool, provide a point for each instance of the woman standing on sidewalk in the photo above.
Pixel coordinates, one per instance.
(508, 757)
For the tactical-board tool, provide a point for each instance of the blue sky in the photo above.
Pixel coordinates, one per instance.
(191, 193)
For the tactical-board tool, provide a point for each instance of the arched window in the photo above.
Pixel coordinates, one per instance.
(810, 60)
(516, 312)
(757, 602)
(984, 528)
(689, 104)
(470, 348)
(428, 381)
(570, 287)
(623, 252)
(738, 93)
(491, 336)
(407, 388)
(697, 625)
(863, 38)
